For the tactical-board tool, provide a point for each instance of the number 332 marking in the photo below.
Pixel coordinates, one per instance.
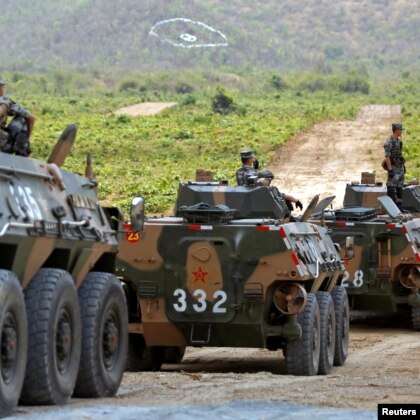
(220, 297)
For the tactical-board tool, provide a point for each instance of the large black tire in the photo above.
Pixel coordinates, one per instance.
(142, 358)
(302, 356)
(415, 317)
(104, 336)
(342, 324)
(328, 331)
(54, 338)
(14, 341)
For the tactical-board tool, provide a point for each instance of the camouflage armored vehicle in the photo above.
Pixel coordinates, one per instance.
(383, 277)
(229, 270)
(63, 314)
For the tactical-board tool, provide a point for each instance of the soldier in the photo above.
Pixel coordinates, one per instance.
(14, 138)
(248, 169)
(248, 172)
(394, 164)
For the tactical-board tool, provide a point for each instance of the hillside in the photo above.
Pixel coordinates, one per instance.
(112, 35)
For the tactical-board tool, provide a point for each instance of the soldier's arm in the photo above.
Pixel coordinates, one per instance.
(30, 119)
(387, 148)
(3, 112)
(388, 163)
(290, 198)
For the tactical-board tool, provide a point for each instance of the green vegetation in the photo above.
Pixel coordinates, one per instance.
(151, 155)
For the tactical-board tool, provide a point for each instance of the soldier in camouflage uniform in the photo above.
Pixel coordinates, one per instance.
(248, 169)
(14, 138)
(247, 175)
(394, 164)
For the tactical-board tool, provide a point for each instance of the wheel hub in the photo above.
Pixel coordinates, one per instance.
(63, 342)
(330, 331)
(110, 341)
(8, 350)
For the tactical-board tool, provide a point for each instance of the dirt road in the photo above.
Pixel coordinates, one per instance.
(333, 153)
(383, 367)
(384, 361)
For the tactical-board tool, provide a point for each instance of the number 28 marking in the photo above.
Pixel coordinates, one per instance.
(220, 297)
(357, 281)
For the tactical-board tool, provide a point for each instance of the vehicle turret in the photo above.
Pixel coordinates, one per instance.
(366, 193)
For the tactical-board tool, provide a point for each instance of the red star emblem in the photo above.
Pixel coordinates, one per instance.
(200, 275)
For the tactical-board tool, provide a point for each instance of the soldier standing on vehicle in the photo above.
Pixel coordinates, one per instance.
(14, 138)
(394, 164)
(248, 171)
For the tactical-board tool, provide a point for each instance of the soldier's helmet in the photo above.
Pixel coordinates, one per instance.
(397, 126)
(2, 82)
(246, 154)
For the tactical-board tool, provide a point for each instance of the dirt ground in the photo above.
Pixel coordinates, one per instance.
(384, 359)
(332, 153)
(145, 108)
(383, 366)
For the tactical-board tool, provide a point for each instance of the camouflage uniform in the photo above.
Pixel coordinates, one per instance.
(393, 150)
(243, 173)
(14, 138)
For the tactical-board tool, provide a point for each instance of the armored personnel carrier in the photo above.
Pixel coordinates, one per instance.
(230, 269)
(383, 277)
(63, 315)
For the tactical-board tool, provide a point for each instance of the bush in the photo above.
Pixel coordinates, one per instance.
(355, 84)
(313, 85)
(278, 83)
(188, 100)
(184, 88)
(222, 103)
(129, 85)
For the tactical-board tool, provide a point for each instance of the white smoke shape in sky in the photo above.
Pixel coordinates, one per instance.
(187, 33)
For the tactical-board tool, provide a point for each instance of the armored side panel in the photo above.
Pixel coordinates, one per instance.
(50, 217)
(213, 285)
(247, 201)
(411, 198)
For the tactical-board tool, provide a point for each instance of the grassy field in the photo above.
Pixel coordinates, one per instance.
(151, 155)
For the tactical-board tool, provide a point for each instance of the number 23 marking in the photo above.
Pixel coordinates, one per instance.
(201, 305)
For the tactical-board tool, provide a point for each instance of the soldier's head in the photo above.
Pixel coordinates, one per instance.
(2, 84)
(397, 129)
(247, 157)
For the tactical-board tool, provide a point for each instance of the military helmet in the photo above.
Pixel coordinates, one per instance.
(397, 126)
(246, 154)
(2, 82)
